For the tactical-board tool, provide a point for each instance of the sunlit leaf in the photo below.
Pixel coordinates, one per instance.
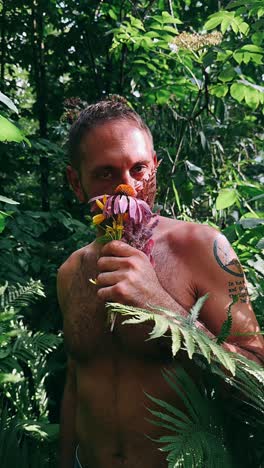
(8, 102)
(8, 200)
(9, 132)
(226, 198)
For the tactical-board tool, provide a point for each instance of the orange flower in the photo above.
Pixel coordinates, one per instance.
(124, 189)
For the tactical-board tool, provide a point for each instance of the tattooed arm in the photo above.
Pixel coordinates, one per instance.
(223, 278)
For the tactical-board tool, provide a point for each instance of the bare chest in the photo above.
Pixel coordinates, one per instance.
(87, 324)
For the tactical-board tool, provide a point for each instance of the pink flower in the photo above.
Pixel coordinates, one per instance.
(120, 203)
(130, 217)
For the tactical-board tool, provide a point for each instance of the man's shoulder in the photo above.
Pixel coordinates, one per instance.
(186, 233)
(73, 263)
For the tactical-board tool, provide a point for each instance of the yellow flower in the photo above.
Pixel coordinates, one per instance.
(100, 204)
(99, 218)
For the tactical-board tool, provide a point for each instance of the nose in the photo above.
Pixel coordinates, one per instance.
(127, 179)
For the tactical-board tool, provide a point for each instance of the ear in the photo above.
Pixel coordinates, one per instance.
(74, 181)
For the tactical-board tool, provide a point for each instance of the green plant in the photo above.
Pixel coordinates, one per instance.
(23, 371)
(222, 410)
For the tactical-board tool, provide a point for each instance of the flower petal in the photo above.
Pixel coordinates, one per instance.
(98, 219)
(108, 211)
(123, 203)
(99, 204)
(132, 207)
(116, 204)
(139, 214)
(99, 197)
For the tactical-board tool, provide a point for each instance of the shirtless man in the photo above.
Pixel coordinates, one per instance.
(104, 405)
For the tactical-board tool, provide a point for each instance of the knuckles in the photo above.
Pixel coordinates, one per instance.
(113, 247)
(100, 263)
(120, 291)
(99, 279)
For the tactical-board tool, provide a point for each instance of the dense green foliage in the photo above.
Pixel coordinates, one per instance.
(222, 424)
(202, 97)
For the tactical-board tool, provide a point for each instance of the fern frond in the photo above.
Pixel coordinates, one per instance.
(20, 296)
(183, 333)
(195, 310)
(29, 346)
(226, 326)
(197, 434)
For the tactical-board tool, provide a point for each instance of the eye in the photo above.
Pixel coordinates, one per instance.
(139, 168)
(105, 174)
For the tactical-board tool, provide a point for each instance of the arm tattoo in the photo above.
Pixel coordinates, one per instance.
(225, 258)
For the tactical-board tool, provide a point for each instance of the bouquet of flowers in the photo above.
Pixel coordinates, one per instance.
(127, 218)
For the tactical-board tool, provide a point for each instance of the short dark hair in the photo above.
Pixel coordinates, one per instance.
(97, 114)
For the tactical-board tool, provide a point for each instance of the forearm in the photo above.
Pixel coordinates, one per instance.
(253, 354)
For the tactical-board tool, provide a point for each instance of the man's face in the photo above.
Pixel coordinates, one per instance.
(114, 153)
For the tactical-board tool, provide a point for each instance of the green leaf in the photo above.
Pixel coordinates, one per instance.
(163, 96)
(167, 18)
(176, 195)
(244, 28)
(8, 102)
(247, 53)
(226, 198)
(2, 222)
(112, 14)
(251, 97)
(225, 24)
(219, 90)
(237, 91)
(159, 329)
(227, 324)
(9, 132)
(8, 200)
(257, 38)
(227, 74)
(195, 310)
(214, 21)
(9, 378)
(176, 341)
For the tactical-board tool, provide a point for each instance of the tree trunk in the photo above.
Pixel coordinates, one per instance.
(38, 50)
(3, 45)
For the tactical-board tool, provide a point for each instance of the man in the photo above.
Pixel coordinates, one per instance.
(104, 406)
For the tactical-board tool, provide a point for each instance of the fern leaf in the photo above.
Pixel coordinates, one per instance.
(9, 378)
(176, 340)
(188, 341)
(195, 310)
(171, 409)
(20, 296)
(194, 338)
(169, 376)
(226, 326)
(224, 357)
(204, 348)
(159, 329)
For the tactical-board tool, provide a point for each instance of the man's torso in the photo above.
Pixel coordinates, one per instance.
(115, 369)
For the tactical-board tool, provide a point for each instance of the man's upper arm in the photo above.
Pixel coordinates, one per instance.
(64, 278)
(223, 278)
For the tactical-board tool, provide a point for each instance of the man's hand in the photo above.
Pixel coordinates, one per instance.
(127, 276)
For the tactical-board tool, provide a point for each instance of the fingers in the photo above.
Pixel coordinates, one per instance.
(115, 293)
(116, 263)
(118, 249)
(108, 279)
